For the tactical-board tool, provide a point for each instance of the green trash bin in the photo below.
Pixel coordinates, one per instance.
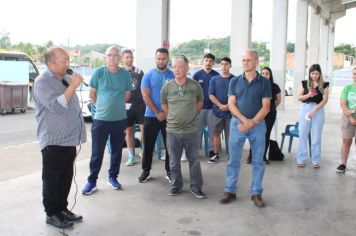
(13, 96)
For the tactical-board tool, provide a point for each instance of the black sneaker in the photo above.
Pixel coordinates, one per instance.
(144, 177)
(211, 154)
(341, 168)
(266, 161)
(198, 193)
(174, 192)
(168, 177)
(214, 159)
(59, 220)
(249, 160)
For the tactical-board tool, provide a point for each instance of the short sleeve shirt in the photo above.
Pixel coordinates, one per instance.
(348, 94)
(219, 87)
(204, 80)
(249, 95)
(182, 117)
(110, 93)
(154, 81)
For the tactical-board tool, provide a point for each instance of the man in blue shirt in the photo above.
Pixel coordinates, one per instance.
(249, 102)
(221, 116)
(155, 118)
(203, 76)
(110, 88)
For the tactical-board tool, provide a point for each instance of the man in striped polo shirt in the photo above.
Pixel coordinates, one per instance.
(60, 129)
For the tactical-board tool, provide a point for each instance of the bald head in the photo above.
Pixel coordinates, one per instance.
(250, 60)
(180, 67)
(53, 53)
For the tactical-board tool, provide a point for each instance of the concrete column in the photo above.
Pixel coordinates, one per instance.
(324, 46)
(241, 18)
(279, 42)
(329, 64)
(152, 30)
(300, 45)
(313, 50)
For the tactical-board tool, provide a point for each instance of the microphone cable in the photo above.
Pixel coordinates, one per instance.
(81, 104)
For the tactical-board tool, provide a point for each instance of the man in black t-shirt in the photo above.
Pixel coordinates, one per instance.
(135, 105)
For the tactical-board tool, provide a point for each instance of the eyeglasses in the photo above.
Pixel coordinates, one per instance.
(112, 55)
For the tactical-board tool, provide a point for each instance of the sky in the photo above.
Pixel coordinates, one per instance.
(73, 22)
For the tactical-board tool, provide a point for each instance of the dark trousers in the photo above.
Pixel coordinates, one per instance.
(57, 174)
(151, 128)
(100, 132)
(269, 121)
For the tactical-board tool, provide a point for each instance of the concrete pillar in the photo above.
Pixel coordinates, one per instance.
(313, 49)
(324, 46)
(279, 42)
(241, 18)
(152, 30)
(300, 45)
(329, 64)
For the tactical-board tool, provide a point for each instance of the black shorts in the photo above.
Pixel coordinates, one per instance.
(135, 116)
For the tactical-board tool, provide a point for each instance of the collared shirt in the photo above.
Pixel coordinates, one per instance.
(249, 95)
(110, 93)
(182, 101)
(59, 123)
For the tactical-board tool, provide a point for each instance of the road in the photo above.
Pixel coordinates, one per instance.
(19, 128)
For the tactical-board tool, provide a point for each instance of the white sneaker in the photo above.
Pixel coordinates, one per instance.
(163, 158)
(183, 158)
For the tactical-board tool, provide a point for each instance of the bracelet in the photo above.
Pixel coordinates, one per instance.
(256, 122)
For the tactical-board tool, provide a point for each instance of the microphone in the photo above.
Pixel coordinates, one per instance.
(70, 72)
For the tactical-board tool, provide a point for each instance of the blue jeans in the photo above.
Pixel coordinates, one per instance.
(256, 137)
(100, 132)
(315, 127)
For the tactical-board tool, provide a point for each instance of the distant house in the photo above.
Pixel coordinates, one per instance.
(92, 59)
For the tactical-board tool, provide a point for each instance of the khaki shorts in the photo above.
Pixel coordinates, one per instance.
(347, 129)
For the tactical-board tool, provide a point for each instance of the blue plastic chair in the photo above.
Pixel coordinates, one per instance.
(205, 137)
(293, 132)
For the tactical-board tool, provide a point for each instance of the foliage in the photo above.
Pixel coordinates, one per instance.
(290, 47)
(347, 49)
(5, 42)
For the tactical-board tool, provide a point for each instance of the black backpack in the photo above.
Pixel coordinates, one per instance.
(275, 153)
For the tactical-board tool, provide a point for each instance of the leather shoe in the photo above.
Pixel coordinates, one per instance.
(58, 220)
(258, 200)
(72, 216)
(228, 197)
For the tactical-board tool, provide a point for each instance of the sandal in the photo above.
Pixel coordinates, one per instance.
(316, 166)
(301, 165)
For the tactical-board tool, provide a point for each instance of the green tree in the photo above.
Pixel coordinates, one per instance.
(5, 41)
(290, 47)
(262, 51)
(347, 49)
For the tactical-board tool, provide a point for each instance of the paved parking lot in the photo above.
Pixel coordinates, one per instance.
(299, 201)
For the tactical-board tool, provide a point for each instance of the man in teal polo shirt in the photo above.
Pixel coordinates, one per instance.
(110, 88)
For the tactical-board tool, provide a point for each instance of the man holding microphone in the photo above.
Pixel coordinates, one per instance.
(60, 129)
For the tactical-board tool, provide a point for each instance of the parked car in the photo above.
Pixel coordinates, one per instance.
(84, 100)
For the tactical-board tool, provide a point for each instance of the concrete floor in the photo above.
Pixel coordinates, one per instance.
(299, 201)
